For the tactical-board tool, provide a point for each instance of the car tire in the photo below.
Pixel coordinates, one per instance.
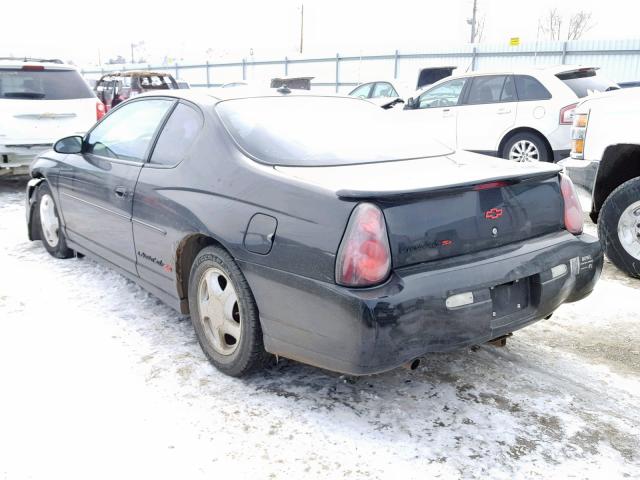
(226, 321)
(526, 147)
(619, 227)
(47, 221)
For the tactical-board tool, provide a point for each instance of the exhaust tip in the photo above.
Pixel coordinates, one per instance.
(413, 364)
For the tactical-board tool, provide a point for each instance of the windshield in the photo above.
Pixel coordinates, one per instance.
(43, 85)
(586, 82)
(316, 131)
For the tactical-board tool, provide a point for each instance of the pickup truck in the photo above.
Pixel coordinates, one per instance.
(605, 167)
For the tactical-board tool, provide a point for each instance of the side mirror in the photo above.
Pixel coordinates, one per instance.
(69, 145)
(411, 103)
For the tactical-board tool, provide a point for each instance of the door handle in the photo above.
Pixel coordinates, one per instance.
(503, 111)
(446, 112)
(121, 192)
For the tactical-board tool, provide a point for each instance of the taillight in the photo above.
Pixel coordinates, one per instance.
(100, 110)
(364, 258)
(573, 218)
(578, 134)
(566, 114)
(33, 68)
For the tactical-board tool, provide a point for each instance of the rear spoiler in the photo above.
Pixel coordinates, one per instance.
(483, 183)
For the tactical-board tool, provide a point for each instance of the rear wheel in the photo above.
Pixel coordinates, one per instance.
(619, 227)
(48, 222)
(224, 314)
(525, 147)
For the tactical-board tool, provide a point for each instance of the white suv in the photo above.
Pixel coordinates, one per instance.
(40, 102)
(522, 115)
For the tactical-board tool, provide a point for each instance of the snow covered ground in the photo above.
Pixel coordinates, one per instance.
(98, 379)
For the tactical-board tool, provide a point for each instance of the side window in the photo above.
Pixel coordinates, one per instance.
(444, 95)
(529, 88)
(509, 90)
(384, 89)
(362, 91)
(177, 136)
(485, 89)
(126, 133)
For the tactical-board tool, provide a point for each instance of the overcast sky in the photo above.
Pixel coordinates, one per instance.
(83, 31)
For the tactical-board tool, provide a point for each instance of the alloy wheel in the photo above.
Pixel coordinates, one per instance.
(629, 230)
(524, 151)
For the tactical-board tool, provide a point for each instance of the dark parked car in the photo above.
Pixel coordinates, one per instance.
(316, 228)
(116, 87)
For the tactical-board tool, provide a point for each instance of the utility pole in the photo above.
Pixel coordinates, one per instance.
(301, 25)
(132, 45)
(472, 21)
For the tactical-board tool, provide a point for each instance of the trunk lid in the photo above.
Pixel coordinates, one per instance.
(30, 122)
(42, 103)
(450, 205)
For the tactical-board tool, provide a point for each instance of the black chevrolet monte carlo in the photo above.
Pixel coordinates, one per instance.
(316, 228)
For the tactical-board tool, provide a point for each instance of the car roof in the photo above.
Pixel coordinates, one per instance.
(47, 64)
(533, 70)
(213, 96)
(135, 73)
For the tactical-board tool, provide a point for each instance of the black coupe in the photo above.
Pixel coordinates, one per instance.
(318, 228)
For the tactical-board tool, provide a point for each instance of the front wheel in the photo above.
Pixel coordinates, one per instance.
(619, 227)
(525, 147)
(224, 314)
(48, 222)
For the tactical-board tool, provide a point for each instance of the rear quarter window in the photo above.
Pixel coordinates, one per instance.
(43, 85)
(529, 88)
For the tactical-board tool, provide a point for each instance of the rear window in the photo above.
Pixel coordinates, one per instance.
(586, 82)
(43, 85)
(315, 131)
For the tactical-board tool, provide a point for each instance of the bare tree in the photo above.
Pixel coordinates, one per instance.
(480, 29)
(551, 24)
(579, 23)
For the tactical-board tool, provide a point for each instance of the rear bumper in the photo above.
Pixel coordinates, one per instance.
(15, 159)
(372, 330)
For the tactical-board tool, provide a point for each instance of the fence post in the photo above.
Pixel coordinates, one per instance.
(564, 52)
(244, 69)
(286, 66)
(208, 79)
(473, 58)
(395, 65)
(337, 71)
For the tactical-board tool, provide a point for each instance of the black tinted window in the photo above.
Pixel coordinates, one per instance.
(509, 91)
(485, 89)
(585, 82)
(177, 136)
(530, 89)
(43, 85)
(126, 133)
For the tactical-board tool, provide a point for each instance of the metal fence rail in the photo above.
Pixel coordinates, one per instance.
(618, 59)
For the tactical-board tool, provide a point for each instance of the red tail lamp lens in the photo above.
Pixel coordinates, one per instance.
(573, 218)
(364, 258)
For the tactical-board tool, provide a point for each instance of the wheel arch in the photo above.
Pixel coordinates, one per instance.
(32, 188)
(186, 252)
(619, 164)
(511, 133)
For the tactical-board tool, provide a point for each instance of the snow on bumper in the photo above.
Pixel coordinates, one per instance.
(363, 331)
